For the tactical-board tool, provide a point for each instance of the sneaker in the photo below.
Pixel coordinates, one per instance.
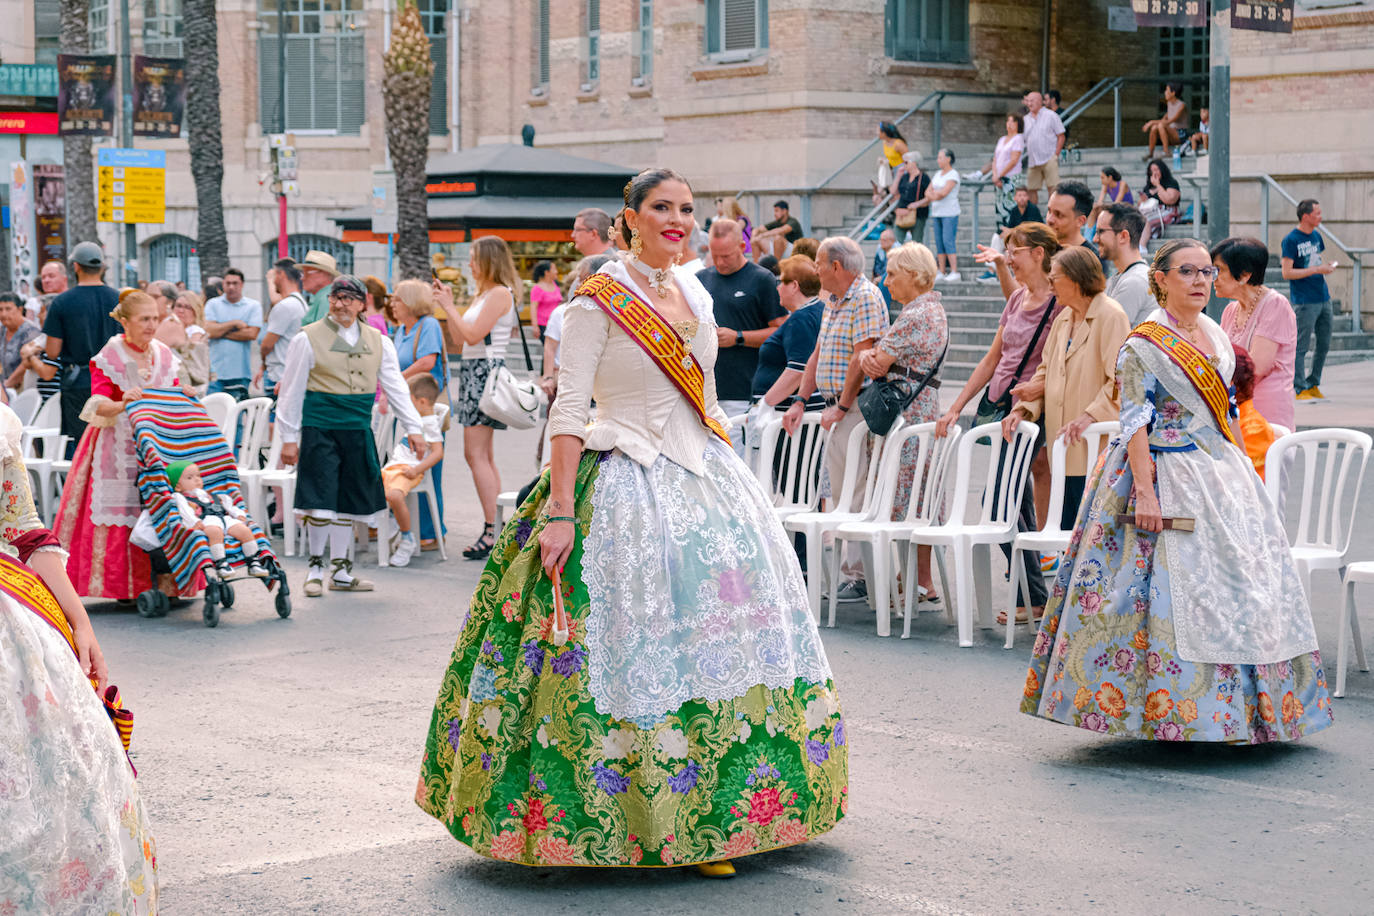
(1049, 564)
(403, 552)
(256, 569)
(853, 590)
(987, 276)
(225, 568)
(954, 277)
(1316, 392)
(1305, 395)
(940, 278)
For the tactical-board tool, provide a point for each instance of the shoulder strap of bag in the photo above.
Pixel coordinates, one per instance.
(1039, 329)
(524, 344)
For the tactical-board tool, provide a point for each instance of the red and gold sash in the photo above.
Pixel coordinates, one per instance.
(656, 338)
(23, 585)
(1197, 367)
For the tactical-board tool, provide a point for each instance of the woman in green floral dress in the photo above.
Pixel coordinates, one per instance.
(686, 715)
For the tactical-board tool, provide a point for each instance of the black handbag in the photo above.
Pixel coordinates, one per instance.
(990, 411)
(885, 400)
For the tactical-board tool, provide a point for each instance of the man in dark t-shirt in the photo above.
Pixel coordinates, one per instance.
(777, 235)
(77, 326)
(745, 296)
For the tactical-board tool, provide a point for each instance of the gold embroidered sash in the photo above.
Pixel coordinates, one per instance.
(1197, 367)
(27, 589)
(656, 338)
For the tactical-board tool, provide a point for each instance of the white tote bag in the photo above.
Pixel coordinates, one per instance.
(512, 401)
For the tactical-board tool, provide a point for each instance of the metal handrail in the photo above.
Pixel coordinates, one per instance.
(874, 216)
(1267, 182)
(937, 96)
(1081, 104)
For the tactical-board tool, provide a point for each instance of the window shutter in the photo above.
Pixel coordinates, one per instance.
(741, 24)
(352, 82)
(541, 43)
(267, 83)
(438, 90)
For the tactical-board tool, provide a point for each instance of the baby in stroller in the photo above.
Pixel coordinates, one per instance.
(216, 517)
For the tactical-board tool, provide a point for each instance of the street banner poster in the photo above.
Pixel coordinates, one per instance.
(1262, 15)
(23, 268)
(86, 94)
(159, 96)
(50, 209)
(1176, 14)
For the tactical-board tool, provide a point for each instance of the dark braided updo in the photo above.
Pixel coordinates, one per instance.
(638, 188)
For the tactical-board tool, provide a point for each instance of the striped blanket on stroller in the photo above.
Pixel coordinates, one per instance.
(171, 426)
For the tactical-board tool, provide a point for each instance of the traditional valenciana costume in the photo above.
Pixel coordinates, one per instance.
(690, 715)
(328, 387)
(74, 837)
(100, 501)
(1179, 636)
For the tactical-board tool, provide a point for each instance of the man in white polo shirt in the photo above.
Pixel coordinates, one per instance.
(1044, 141)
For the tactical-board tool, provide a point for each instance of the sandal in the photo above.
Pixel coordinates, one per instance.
(1022, 617)
(481, 548)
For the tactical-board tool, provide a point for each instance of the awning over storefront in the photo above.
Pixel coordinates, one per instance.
(520, 193)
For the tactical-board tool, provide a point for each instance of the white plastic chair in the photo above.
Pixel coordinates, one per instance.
(1051, 538)
(971, 541)
(859, 476)
(789, 466)
(1327, 495)
(1362, 571)
(47, 429)
(219, 406)
(504, 501)
(25, 405)
(251, 480)
(255, 416)
(883, 535)
(391, 435)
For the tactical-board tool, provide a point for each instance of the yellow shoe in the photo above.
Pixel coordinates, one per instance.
(721, 869)
(1316, 392)
(1305, 395)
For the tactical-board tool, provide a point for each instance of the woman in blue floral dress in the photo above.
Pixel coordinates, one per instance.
(1168, 634)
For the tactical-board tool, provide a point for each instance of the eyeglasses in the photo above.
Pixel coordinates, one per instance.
(1015, 248)
(577, 229)
(1188, 272)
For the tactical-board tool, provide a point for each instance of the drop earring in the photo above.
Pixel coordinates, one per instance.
(636, 243)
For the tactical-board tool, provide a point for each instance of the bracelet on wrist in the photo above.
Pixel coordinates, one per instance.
(560, 518)
(843, 409)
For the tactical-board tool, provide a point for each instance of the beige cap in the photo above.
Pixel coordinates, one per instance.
(320, 261)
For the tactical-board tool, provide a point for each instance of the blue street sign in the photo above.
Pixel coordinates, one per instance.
(132, 158)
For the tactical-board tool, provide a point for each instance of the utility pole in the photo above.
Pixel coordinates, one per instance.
(126, 128)
(281, 126)
(1219, 140)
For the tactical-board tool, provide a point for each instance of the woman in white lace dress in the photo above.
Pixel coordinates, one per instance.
(74, 838)
(689, 715)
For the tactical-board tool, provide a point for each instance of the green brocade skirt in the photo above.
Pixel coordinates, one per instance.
(519, 764)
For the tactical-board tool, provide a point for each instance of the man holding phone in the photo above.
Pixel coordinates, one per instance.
(1306, 276)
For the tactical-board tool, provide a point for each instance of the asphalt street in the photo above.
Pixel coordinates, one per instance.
(278, 760)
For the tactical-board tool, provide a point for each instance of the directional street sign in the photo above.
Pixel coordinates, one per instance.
(132, 186)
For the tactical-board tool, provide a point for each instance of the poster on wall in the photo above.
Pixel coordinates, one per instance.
(159, 96)
(1176, 14)
(1262, 15)
(50, 211)
(23, 268)
(86, 94)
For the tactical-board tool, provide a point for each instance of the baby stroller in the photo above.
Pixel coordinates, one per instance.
(172, 426)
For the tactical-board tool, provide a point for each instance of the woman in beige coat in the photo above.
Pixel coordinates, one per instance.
(1076, 382)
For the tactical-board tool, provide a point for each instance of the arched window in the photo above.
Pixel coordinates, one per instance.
(173, 258)
(298, 245)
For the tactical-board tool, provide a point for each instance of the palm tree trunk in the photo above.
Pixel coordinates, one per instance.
(203, 135)
(79, 171)
(408, 73)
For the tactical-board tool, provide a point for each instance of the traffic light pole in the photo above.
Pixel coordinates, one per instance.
(126, 134)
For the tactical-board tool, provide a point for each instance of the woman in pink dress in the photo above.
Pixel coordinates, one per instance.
(100, 502)
(1261, 321)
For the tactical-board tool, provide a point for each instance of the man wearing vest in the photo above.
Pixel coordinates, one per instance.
(334, 368)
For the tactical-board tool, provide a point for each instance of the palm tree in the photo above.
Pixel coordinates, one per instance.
(408, 71)
(203, 135)
(76, 151)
